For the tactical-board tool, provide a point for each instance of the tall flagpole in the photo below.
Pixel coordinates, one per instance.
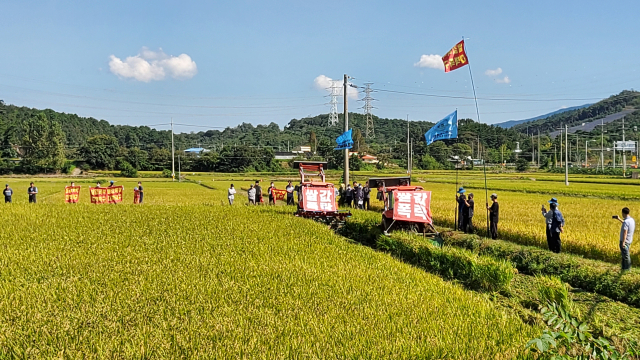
(484, 166)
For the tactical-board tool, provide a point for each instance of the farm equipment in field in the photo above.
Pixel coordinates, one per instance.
(317, 200)
(406, 207)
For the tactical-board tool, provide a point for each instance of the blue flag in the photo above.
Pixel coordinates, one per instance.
(344, 141)
(446, 128)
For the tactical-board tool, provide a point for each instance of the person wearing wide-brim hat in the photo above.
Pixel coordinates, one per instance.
(463, 209)
(554, 225)
(494, 216)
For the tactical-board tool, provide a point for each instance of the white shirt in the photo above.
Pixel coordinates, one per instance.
(630, 225)
(231, 192)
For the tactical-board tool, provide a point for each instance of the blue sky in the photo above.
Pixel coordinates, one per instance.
(215, 64)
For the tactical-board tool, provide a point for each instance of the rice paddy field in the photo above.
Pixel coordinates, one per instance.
(185, 276)
(587, 205)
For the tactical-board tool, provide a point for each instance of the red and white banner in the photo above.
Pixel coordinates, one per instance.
(315, 199)
(412, 206)
(106, 195)
(71, 194)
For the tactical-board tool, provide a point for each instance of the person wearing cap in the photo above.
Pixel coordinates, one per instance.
(8, 193)
(32, 191)
(111, 183)
(626, 237)
(554, 225)
(463, 210)
(252, 195)
(494, 216)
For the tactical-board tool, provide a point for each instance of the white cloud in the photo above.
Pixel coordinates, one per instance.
(151, 65)
(504, 80)
(323, 82)
(430, 61)
(495, 72)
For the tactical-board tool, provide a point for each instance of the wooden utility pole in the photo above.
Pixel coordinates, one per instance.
(566, 154)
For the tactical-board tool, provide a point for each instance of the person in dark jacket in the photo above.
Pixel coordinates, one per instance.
(359, 195)
(470, 210)
(8, 193)
(32, 191)
(367, 197)
(349, 195)
(463, 212)
(141, 192)
(494, 216)
(554, 222)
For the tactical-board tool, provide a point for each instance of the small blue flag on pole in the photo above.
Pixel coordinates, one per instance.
(446, 128)
(344, 141)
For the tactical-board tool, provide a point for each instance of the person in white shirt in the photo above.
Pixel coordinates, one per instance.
(627, 229)
(230, 193)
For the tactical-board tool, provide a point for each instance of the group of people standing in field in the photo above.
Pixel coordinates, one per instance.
(358, 196)
(32, 191)
(254, 194)
(554, 223)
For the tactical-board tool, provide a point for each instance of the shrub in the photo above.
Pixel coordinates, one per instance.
(128, 170)
(522, 165)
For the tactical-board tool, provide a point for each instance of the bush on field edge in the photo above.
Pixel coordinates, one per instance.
(475, 272)
(590, 275)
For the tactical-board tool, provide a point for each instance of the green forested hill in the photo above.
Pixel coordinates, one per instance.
(608, 106)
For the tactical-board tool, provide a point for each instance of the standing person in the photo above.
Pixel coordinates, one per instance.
(111, 183)
(252, 195)
(626, 237)
(462, 209)
(367, 196)
(231, 194)
(98, 184)
(349, 195)
(32, 191)
(554, 225)
(494, 216)
(289, 190)
(258, 192)
(140, 191)
(272, 196)
(8, 193)
(471, 205)
(359, 195)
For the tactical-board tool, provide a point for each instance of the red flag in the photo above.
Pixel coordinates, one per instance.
(455, 58)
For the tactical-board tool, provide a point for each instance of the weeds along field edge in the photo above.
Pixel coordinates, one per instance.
(196, 280)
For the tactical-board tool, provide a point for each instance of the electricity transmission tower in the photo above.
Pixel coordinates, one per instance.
(333, 114)
(370, 133)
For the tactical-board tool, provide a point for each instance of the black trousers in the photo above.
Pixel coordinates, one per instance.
(464, 223)
(349, 201)
(553, 240)
(290, 200)
(469, 228)
(493, 227)
(365, 204)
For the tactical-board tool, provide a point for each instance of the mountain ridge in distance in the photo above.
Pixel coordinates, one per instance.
(511, 123)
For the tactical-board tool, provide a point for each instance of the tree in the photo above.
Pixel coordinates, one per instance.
(137, 158)
(355, 163)
(43, 144)
(359, 142)
(427, 162)
(439, 151)
(100, 151)
(128, 170)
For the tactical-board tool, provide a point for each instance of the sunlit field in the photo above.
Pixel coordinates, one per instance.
(183, 275)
